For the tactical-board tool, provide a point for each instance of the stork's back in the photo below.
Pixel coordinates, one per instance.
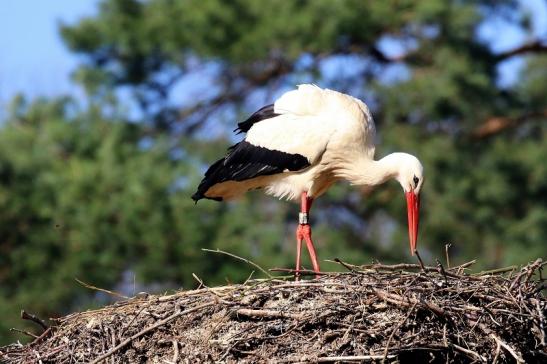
(310, 99)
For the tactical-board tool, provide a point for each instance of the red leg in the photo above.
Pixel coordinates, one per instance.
(311, 248)
(298, 251)
(303, 232)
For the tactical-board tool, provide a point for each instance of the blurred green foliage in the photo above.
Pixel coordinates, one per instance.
(100, 190)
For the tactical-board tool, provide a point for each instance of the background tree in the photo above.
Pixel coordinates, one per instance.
(101, 192)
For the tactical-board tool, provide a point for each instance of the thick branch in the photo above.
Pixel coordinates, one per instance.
(497, 124)
(536, 46)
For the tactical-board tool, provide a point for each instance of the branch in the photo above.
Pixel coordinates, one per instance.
(536, 46)
(497, 124)
(150, 328)
(86, 285)
(270, 314)
(240, 258)
(28, 316)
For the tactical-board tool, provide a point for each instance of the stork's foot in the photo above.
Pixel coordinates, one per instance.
(303, 233)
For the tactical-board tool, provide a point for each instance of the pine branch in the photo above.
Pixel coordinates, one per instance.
(498, 124)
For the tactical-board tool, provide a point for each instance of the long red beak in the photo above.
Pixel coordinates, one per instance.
(413, 208)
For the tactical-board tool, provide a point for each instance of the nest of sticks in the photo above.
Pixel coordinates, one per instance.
(371, 313)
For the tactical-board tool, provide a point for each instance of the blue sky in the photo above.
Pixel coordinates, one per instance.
(33, 59)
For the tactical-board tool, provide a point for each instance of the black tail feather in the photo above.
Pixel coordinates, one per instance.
(245, 161)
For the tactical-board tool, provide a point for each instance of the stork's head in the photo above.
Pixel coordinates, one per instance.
(411, 177)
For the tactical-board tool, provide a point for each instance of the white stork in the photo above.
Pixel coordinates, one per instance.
(299, 146)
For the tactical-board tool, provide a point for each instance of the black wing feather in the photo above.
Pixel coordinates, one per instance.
(245, 161)
(266, 112)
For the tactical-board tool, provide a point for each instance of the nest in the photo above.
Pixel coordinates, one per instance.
(372, 313)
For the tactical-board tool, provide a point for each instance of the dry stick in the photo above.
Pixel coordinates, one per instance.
(515, 355)
(240, 258)
(330, 359)
(347, 266)
(506, 346)
(526, 272)
(38, 356)
(402, 266)
(28, 333)
(131, 322)
(42, 336)
(469, 352)
(532, 268)
(420, 260)
(406, 301)
(199, 281)
(150, 328)
(248, 278)
(441, 270)
(496, 356)
(176, 351)
(464, 265)
(496, 271)
(305, 272)
(536, 290)
(28, 316)
(86, 285)
(267, 314)
(387, 267)
(446, 247)
(397, 329)
(541, 326)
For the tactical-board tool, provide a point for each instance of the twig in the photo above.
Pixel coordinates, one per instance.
(305, 272)
(469, 352)
(150, 328)
(175, 352)
(28, 333)
(541, 323)
(463, 266)
(538, 289)
(442, 271)
(405, 266)
(240, 258)
(267, 314)
(527, 272)
(347, 266)
(249, 278)
(330, 359)
(446, 247)
(42, 336)
(420, 260)
(386, 267)
(496, 271)
(532, 268)
(506, 346)
(28, 316)
(199, 281)
(38, 356)
(496, 356)
(512, 351)
(131, 322)
(86, 285)
(406, 301)
(397, 329)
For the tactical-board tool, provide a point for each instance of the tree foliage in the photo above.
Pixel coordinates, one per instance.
(102, 191)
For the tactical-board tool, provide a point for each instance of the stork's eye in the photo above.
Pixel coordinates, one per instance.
(416, 180)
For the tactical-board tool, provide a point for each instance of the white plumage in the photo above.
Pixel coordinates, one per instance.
(303, 143)
(324, 126)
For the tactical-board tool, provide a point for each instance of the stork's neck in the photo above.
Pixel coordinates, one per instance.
(364, 171)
